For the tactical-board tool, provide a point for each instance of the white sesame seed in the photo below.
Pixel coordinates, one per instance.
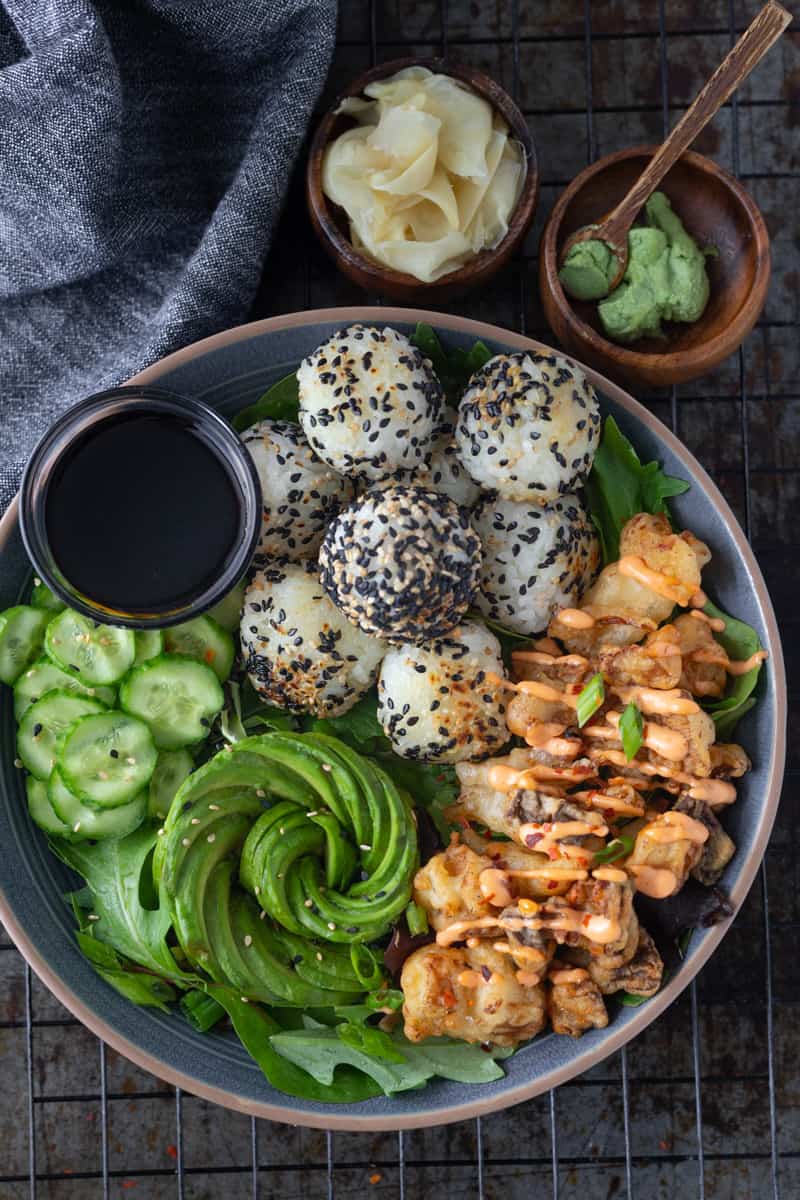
(248, 941)
(308, 903)
(364, 846)
(130, 761)
(213, 808)
(327, 767)
(19, 764)
(186, 841)
(257, 890)
(280, 874)
(331, 925)
(93, 917)
(260, 793)
(102, 775)
(244, 1000)
(262, 914)
(281, 830)
(76, 827)
(314, 812)
(211, 837)
(161, 832)
(319, 957)
(195, 821)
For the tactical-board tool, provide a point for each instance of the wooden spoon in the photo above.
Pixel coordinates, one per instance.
(751, 47)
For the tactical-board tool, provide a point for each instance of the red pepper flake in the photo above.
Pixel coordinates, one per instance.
(532, 839)
(449, 998)
(210, 655)
(608, 813)
(172, 1151)
(552, 884)
(376, 1178)
(665, 1144)
(553, 854)
(587, 918)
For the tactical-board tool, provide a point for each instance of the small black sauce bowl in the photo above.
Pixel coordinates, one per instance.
(208, 426)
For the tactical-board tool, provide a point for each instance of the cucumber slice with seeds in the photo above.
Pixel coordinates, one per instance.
(95, 653)
(178, 697)
(44, 676)
(42, 724)
(149, 644)
(43, 597)
(42, 812)
(85, 822)
(172, 768)
(204, 639)
(106, 759)
(21, 637)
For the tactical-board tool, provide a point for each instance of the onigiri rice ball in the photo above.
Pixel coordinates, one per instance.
(535, 560)
(370, 402)
(528, 426)
(300, 493)
(298, 650)
(401, 563)
(440, 701)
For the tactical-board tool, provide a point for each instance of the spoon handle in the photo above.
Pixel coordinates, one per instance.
(751, 47)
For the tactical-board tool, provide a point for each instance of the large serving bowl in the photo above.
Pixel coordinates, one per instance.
(230, 371)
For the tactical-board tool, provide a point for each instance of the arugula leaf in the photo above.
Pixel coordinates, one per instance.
(323, 1051)
(739, 640)
(358, 728)
(454, 367)
(113, 869)
(148, 990)
(281, 402)
(620, 485)
(256, 1028)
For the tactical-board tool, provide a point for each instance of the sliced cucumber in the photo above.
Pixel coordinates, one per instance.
(228, 611)
(42, 811)
(172, 768)
(44, 676)
(178, 697)
(96, 823)
(42, 724)
(149, 644)
(204, 639)
(105, 759)
(43, 597)
(21, 637)
(95, 653)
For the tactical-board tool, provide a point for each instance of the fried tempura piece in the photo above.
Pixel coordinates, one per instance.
(728, 761)
(701, 675)
(640, 975)
(574, 1007)
(472, 994)
(718, 851)
(676, 858)
(448, 886)
(656, 663)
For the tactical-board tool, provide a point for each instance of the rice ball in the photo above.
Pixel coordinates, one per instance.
(528, 426)
(370, 402)
(445, 472)
(298, 650)
(401, 563)
(440, 701)
(535, 560)
(300, 493)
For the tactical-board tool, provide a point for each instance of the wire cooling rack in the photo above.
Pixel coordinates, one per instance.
(706, 1103)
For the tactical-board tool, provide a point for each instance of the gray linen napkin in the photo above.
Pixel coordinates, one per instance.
(145, 149)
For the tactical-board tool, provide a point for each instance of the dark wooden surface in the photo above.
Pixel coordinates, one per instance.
(583, 98)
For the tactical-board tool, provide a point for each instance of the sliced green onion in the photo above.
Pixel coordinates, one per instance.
(416, 919)
(201, 1010)
(631, 724)
(590, 699)
(618, 847)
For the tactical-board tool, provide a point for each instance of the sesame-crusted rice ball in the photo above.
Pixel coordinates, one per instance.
(298, 650)
(440, 701)
(300, 493)
(535, 560)
(401, 562)
(370, 402)
(528, 426)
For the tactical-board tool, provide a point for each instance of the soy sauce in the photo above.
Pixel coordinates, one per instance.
(142, 513)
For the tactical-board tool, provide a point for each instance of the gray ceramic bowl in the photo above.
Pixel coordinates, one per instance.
(230, 371)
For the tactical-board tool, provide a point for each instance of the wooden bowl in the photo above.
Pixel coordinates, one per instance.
(718, 212)
(331, 224)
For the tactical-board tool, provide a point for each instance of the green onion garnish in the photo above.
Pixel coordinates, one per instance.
(416, 919)
(631, 725)
(618, 847)
(590, 699)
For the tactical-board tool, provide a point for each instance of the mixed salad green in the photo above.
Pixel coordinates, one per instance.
(145, 756)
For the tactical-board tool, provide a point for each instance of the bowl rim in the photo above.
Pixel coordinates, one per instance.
(707, 353)
(486, 261)
(643, 1016)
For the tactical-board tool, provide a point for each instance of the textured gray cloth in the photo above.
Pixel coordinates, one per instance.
(145, 149)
